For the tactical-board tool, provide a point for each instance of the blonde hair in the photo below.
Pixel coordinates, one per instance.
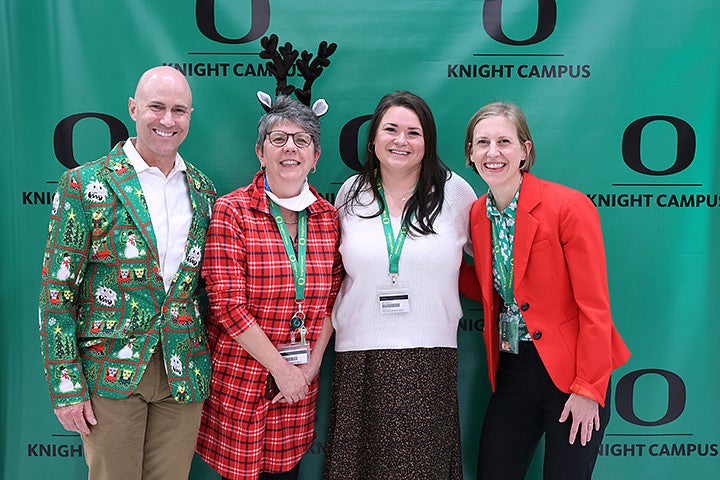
(516, 116)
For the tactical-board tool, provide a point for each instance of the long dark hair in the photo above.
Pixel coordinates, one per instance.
(427, 200)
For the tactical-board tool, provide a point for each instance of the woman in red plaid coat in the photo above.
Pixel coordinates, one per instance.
(272, 272)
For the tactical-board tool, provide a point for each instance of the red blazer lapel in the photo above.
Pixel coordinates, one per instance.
(526, 225)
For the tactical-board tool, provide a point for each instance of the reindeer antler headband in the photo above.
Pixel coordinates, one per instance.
(282, 59)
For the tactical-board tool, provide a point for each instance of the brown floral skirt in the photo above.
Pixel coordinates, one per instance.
(394, 415)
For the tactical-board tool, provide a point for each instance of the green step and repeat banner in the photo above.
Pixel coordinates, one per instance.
(621, 97)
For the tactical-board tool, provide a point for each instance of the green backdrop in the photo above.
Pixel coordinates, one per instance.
(621, 97)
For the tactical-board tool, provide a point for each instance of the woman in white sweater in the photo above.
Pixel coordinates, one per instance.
(404, 223)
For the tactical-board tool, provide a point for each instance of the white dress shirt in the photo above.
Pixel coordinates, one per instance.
(168, 199)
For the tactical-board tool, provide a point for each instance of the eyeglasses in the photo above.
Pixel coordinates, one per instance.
(279, 138)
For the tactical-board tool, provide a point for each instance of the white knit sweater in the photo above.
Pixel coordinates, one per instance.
(429, 267)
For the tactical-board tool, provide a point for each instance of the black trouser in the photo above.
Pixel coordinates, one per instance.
(289, 475)
(525, 406)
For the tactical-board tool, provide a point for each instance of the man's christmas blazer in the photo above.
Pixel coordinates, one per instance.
(103, 308)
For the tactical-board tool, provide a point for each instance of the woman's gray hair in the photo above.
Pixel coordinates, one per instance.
(285, 109)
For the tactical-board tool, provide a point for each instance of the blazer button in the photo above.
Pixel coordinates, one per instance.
(525, 307)
(537, 335)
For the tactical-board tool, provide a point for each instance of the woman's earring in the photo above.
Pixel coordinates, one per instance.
(313, 170)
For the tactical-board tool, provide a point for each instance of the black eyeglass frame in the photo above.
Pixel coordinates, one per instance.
(295, 136)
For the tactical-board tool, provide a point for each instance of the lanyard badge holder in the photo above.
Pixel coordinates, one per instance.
(396, 298)
(509, 333)
(508, 322)
(295, 352)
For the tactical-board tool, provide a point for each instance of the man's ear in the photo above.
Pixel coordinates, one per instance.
(132, 108)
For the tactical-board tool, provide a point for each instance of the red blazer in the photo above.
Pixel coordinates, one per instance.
(560, 285)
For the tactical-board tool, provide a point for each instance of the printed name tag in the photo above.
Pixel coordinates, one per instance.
(396, 300)
(295, 353)
(509, 333)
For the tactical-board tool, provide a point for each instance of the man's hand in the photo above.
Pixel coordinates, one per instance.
(77, 418)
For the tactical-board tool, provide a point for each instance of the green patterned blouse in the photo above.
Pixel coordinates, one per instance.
(503, 236)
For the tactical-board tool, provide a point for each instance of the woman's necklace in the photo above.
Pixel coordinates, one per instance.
(403, 196)
(288, 222)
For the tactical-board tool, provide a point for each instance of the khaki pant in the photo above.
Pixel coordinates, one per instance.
(147, 435)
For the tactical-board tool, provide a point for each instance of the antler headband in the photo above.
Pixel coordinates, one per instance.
(282, 59)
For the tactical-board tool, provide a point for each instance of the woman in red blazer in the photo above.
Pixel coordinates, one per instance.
(541, 277)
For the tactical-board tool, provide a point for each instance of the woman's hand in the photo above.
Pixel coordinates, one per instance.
(310, 370)
(585, 417)
(292, 383)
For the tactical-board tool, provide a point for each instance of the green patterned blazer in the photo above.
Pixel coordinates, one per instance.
(103, 308)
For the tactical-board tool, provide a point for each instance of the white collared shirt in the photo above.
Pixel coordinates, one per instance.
(168, 200)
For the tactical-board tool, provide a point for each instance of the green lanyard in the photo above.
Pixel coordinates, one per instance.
(394, 245)
(505, 268)
(296, 261)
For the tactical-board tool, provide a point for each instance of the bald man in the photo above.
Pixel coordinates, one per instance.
(123, 339)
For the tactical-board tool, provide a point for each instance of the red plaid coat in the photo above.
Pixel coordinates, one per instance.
(249, 280)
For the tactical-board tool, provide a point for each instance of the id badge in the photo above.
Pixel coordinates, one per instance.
(295, 353)
(394, 300)
(509, 333)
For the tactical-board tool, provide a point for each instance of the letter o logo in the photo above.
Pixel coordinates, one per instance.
(492, 22)
(205, 19)
(63, 137)
(349, 142)
(632, 139)
(625, 389)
